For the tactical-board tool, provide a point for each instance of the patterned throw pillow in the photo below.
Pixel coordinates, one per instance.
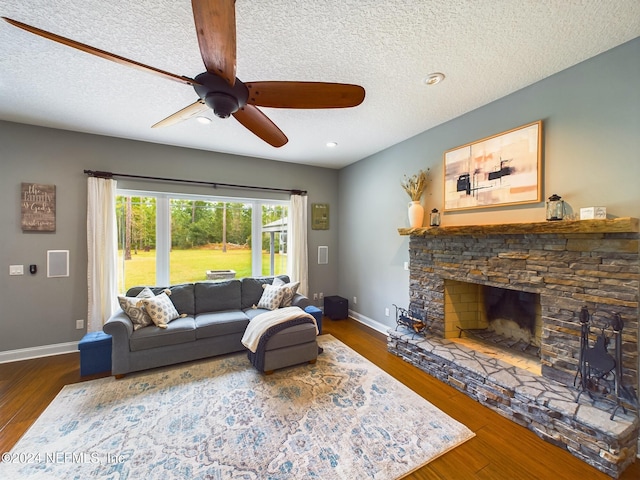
(137, 314)
(161, 309)
(271, 297)
(290, 290)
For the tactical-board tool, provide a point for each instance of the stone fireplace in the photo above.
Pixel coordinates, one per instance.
(528, 280)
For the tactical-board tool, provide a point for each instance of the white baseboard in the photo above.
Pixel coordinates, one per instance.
(37, 352)
(369, 322)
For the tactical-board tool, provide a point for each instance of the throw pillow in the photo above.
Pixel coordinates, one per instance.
(291, 289)
(271, 297)
(135, 312)
(161, 309)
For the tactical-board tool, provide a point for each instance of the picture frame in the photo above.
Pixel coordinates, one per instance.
(37, 207)
(320, 216)
(503, 169)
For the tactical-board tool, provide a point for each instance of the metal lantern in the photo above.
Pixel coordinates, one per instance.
(555, 208)
(434, 218)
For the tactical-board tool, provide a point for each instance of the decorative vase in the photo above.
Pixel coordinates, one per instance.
(416, 214)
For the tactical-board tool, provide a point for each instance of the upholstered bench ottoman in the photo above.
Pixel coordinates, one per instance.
(316, 313)
(95, 353)
(286, 344)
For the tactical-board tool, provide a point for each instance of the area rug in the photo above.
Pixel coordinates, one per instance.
(341, 418)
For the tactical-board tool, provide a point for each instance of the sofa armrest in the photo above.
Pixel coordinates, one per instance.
(300, 300)
(120, 327)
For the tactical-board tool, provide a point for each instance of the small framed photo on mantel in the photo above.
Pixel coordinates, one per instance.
(38, 207)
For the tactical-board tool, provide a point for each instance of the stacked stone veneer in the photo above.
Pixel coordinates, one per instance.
(544, 406)
(568, 271)
(569, 268)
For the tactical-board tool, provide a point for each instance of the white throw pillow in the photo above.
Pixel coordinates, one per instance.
(161, 309)
(271, 297)
(291, 289)
(137, 313)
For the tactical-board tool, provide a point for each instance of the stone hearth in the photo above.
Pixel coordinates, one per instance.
(544, 406)
(569, 264)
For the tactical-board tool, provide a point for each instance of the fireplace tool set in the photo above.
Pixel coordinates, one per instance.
(599, 370)
(412, 320)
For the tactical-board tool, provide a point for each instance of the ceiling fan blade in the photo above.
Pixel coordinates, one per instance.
(184, 114)
(216, 28)
(304, 94)
(256, 121)
(100, 53)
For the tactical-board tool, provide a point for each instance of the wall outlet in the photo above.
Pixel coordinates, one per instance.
(321, 295)
(315, 296)
(386, 312)
(355, 300)
(16, 269)
(406, 265)
(79, 324)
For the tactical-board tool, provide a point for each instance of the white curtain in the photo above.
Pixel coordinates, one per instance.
(298, 263)
(102, 249)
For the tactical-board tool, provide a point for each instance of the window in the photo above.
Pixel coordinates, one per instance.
(166, 239)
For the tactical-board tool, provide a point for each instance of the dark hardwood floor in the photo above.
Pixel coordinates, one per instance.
(500, 450)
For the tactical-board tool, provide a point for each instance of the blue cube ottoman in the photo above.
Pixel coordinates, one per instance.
(316, 313)
(95, 353)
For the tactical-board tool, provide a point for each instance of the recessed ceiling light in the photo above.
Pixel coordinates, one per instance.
(204, 120)
(332, 144)
(434, 78)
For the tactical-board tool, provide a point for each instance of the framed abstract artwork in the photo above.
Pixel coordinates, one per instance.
(504, 169)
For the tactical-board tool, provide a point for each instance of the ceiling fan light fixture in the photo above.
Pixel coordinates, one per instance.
(222, 104)
(434, 78)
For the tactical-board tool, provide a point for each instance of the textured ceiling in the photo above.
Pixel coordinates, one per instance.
(486, 48)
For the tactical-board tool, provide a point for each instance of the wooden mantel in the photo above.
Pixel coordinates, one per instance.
(616, 225)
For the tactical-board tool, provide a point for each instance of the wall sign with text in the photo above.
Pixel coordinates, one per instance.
(320, 216)
(38, 206)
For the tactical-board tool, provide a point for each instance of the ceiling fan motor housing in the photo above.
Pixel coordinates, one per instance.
(218, 95)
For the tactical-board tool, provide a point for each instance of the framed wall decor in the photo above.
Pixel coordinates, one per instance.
(320, 216)
(504, 169)
(38, 207)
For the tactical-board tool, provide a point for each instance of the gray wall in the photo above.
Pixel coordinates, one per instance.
(36, 310)
(591, 115)
(591, 157)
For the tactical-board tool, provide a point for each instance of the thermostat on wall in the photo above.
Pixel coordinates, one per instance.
(593, 213)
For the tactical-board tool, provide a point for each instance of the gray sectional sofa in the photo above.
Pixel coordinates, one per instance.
(215, 316)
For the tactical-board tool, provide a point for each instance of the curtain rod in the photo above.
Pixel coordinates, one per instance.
(98, 174)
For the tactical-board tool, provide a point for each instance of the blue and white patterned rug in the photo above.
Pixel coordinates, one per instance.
(342, 418)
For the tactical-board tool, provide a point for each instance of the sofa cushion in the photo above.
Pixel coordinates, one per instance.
(252, 289)
(136, 311)
(217, 296)
(181, 330)
(182, 296)
(254, 312)
(296, 335)
(226, 322)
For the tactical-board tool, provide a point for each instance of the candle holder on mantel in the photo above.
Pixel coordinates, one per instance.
(555, 208)
(434, 218)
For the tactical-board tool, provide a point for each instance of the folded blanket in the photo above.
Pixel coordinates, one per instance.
(261, 323)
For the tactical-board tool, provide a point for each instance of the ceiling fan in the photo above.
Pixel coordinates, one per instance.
(218, 88)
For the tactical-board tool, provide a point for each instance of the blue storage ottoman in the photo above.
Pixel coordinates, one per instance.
(316, 313)
(95, 353)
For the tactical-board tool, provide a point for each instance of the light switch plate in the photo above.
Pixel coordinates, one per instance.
(16, 269)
